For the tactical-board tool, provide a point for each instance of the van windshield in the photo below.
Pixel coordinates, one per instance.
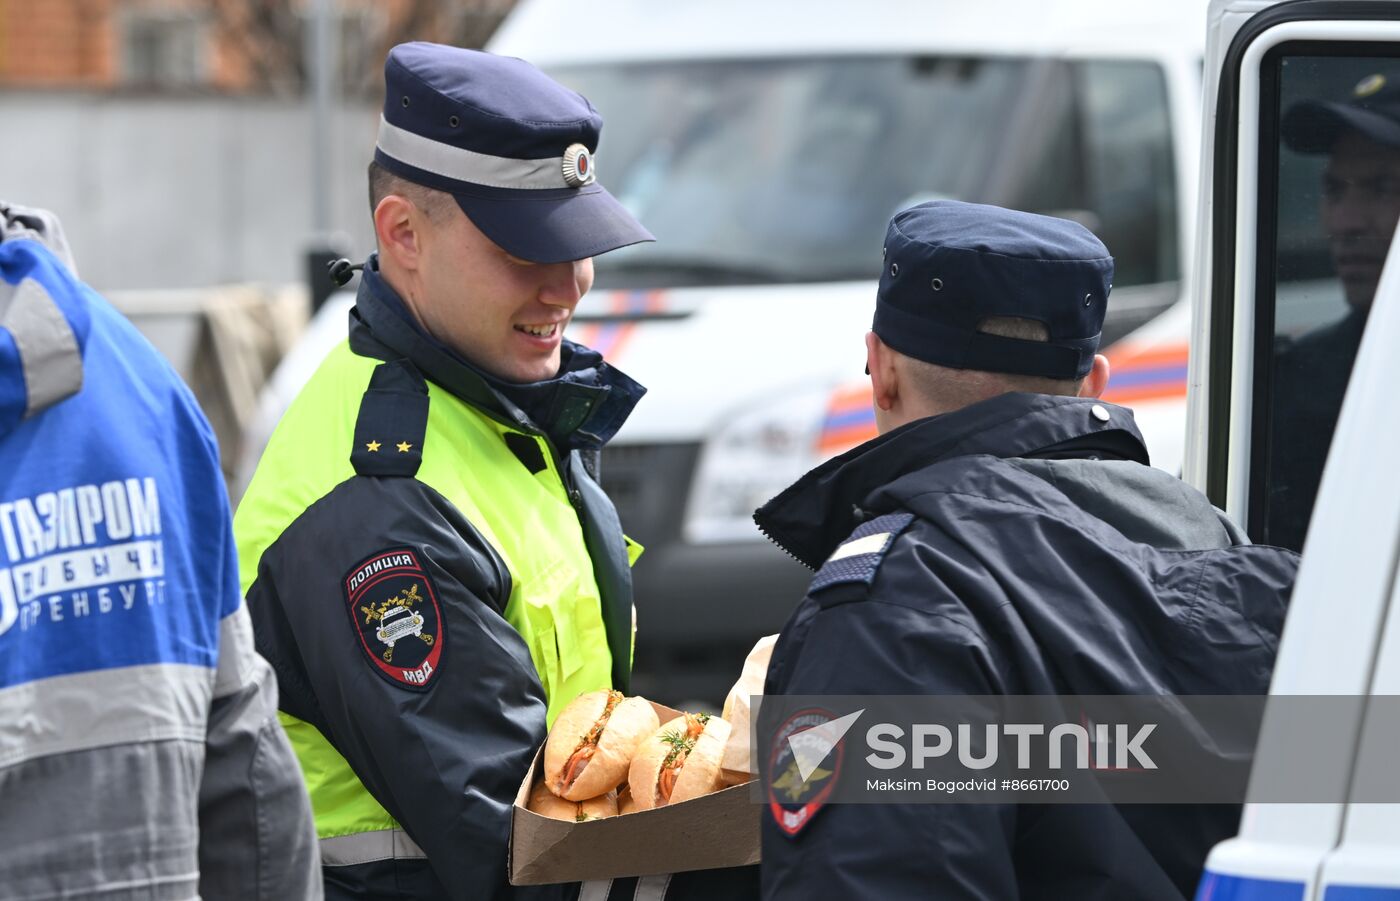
(788, 170)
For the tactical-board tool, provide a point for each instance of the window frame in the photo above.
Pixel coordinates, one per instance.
(1238, 219)
(1261, 389)
(171, 28)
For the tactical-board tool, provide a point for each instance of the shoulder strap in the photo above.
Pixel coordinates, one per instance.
(859, 556)
(392, 422)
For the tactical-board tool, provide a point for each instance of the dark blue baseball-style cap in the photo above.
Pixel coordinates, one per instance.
(949, 266)
(1372, 108)
(513, 146)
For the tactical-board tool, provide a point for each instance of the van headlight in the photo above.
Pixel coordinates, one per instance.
(757, 452)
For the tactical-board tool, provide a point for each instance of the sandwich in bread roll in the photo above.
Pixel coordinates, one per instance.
(737, 711)
(545, 803)
(592, 742)
(680, 761)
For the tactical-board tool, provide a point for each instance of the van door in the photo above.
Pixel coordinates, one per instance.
(1289, 422)
(1366, 863)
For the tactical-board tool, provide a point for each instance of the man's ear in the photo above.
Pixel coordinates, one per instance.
(884, 383)
(396, 225)
(1096, 382)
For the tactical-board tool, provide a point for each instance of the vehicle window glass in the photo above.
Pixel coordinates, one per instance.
(1043, 167)
(1335, 198)
(1130, 176)
(788, 170)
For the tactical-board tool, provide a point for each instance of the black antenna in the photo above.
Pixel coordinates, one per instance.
(342, 270)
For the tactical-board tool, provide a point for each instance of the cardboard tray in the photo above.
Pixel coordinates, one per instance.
(717, 830)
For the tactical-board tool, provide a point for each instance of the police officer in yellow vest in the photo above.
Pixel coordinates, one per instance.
(431, 566)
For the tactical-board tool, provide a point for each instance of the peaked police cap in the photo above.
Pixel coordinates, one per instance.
(513, 146)
(1372, 109)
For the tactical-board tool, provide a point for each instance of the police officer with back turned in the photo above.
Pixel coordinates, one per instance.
(1004, 535)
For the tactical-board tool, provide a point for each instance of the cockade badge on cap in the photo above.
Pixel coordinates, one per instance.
(1368, 85)
(578, 166)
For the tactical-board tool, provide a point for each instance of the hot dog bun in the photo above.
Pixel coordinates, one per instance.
(597, 808)
(592, 742)
(545, 803)
(693, 744)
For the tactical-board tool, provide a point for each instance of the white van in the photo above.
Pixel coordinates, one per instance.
(767, 145)
(1273, 244)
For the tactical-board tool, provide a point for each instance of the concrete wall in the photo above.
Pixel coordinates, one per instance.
(160, 192)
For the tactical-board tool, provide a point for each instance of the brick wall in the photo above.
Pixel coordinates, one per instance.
(57, 43)
(81, 44)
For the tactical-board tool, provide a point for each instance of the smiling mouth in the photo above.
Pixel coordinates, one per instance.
(539, 331)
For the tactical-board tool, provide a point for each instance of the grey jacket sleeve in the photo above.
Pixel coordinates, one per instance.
(257, 838)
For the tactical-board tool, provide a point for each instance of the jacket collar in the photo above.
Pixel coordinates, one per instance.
(816, 513)
(580, 409)
(44, 316)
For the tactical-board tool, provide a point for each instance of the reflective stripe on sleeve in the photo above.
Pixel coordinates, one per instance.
(155, 702)
(48, 351)
(367, 847)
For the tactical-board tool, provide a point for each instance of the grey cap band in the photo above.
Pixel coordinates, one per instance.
(460, 164)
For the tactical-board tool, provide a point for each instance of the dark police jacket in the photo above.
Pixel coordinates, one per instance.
(1310, 380)
(339, 527)
(1032, 533)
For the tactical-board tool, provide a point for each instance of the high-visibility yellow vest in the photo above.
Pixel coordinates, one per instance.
(528, 518)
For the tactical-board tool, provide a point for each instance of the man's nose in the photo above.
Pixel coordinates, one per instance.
(1351, 213)
(564, 284)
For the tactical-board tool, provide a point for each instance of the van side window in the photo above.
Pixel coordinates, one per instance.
(1333, 126)
(1129, 168)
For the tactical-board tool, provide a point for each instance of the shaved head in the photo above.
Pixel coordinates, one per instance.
(434, 204)
(906, 389)
(951, 389)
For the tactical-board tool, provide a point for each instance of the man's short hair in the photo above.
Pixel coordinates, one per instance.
(953, 389)
(433, 203)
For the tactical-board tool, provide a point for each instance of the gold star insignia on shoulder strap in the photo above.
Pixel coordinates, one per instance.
(393, 412)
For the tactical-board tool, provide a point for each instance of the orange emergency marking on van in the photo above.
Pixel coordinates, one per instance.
(849, 419)
(608, 338)
(610, 334)
(622, 303)
(1146, 372)
(1138, 373)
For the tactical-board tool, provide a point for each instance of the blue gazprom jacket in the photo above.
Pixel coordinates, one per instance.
(139, 749)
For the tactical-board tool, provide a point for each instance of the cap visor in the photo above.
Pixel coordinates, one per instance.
(554, 226)
(1314, 126)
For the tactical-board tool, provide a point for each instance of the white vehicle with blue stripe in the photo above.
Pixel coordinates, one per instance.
(1284, 251)
(766, 145)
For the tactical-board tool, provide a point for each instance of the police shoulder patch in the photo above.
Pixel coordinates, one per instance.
(804, 766)
(858, 558)
(394, 609)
